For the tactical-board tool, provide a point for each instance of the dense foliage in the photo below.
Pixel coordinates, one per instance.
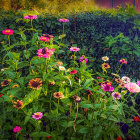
(61, 86)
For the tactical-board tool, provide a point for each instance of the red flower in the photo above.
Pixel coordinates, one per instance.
(119, 138)
(49, 137)
(1, 95)
(136, 119)
(73, 72)
(8, 32)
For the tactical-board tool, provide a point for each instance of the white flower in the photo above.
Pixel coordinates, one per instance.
(125, 79)
(62, 68)
(105, 58)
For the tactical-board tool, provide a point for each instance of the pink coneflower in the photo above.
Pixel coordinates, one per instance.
(63, 20)
(123, 61)
(30, 17)
(45, 52)
(37, 115)
(132, 87)
(98, 77)
(8, 32)
(17, 129)
(83, 59)
(116, 95)
(73, 72)
(107, 87)
(74, 49)
(45, 39)
(138, 83)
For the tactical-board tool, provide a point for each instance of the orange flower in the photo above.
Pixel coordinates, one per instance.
(35, 83)
(18, 104)
(122, 85)
(5, 83)
(118, 80)
(58, 95)
(15, 86)
(106, 65)
(59, 63)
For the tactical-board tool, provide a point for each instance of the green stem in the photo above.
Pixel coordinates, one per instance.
(58, 105)
(26, 50)
(32, 25)
(9, 39)
(74, 60)
(46, 65)
(76, 113)
(63, 28)
(117, 72)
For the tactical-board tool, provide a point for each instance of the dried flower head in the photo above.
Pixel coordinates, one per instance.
(18, 104)
(88, 92)
(35, 83)
(5, 82)
(78, 99)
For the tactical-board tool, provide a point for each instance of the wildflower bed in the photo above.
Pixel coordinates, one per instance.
(42, 97)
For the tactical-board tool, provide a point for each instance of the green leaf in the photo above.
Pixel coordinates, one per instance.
(34, 38)
(62, 36)
(39, 134)
(87, 106)
(83, 130)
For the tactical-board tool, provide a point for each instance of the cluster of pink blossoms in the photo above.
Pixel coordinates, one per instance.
(45, 39)
(45, 52)
(83, 59)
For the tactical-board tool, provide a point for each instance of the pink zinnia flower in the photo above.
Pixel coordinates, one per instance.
(123, 61)
(45, 52)
(107, 87)
(8, 32)
(17, 129)
(37, 115)
(74, 49)
(30, 17)
(73, 72)
(63, 20)
(138, 83)
(116, 95)
(98, 77)
(46, 39)
(132, 87)
(83, 59)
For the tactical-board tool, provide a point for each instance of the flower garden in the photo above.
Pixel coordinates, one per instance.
(53, 87)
